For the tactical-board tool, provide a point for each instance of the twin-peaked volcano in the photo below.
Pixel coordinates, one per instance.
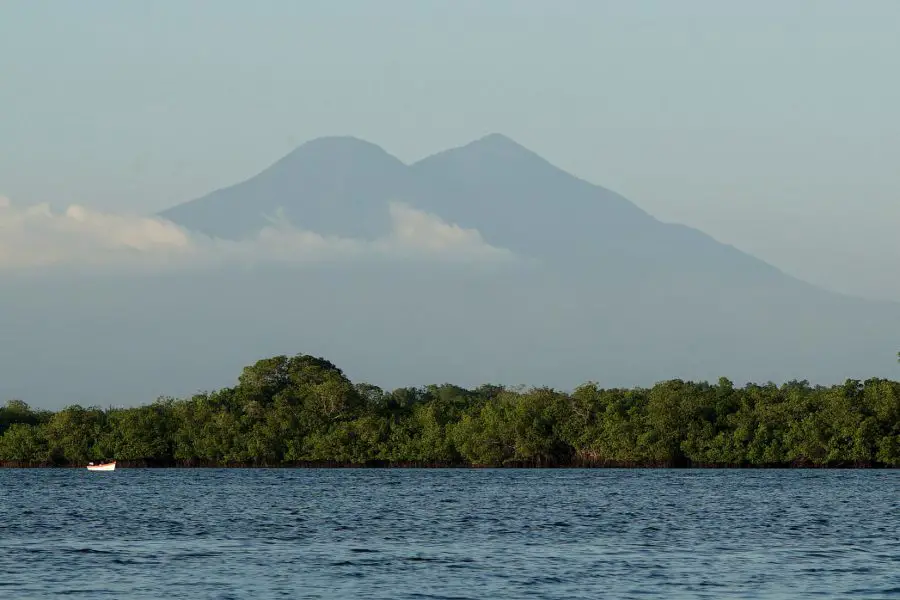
(617, 286)
(516, 199)
(604, 292)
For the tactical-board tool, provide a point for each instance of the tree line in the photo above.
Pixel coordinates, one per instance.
(303, 410)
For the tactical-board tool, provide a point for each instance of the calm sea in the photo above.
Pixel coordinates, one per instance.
(449, 534)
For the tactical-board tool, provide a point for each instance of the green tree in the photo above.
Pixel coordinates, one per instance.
(24, 444)
(287, 410)
(72, 434)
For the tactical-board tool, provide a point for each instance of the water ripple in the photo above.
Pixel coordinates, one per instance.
(265, 534)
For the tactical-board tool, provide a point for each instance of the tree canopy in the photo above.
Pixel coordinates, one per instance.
(303, 410)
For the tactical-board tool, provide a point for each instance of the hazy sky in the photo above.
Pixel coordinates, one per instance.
(771, 125)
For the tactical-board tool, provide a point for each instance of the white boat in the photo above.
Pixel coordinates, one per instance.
(110, 466)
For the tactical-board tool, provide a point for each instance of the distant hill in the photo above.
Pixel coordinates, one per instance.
(516, 199)
(607, 293)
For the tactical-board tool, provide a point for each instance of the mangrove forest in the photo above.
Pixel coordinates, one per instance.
(303, 411)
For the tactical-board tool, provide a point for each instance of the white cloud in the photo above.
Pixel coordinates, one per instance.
(37, 236)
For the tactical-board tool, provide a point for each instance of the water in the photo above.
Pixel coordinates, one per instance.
(449, 534)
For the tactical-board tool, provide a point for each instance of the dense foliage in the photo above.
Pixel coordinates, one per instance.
(304, 410)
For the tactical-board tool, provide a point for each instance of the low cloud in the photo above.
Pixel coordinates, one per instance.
(36, 236)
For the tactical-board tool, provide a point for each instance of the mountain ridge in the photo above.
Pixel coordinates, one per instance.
(340, 185)
(607, 292)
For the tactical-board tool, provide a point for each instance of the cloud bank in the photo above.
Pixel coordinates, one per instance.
(36, 236)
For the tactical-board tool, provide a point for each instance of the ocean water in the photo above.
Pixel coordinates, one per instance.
(449, 534)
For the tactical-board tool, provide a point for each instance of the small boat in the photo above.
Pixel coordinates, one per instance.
(110, 466)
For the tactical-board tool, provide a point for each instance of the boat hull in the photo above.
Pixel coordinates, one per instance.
(104, 467)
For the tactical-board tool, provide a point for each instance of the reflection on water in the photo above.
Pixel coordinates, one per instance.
(449, 534)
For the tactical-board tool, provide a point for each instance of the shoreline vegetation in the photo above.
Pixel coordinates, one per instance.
(302, 411)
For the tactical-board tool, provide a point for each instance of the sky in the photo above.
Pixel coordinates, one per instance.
(770, 125)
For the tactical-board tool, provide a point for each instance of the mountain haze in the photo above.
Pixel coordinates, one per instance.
(599, 289)
(515, 198)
